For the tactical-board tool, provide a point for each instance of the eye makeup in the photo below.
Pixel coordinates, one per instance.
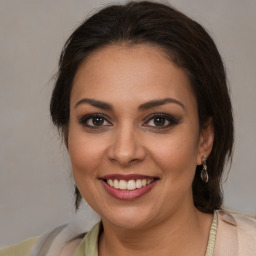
(94, 121)
(161, 121)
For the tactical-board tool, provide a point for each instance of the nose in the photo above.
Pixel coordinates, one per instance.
(126, 147)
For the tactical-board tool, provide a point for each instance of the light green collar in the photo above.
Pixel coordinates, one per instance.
(89, 245)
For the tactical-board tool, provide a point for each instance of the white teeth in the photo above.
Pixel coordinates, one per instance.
(144, 182)
(150, 181)
(130, 184)
(122, 184)
(116, 184)
(138, 184)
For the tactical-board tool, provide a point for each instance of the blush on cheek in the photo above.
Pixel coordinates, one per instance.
(85, 156)
(82, 162)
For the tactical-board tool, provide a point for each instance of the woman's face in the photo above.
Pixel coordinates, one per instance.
(134, 138)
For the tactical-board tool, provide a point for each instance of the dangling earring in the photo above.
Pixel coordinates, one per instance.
(204, 173)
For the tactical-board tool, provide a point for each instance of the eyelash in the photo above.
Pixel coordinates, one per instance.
(172, 121)
(84, 120)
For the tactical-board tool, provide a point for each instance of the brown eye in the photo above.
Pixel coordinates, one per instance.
(160, 121)
(97, 121)
(94, 121)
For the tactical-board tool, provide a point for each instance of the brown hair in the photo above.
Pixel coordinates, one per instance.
(188, 45)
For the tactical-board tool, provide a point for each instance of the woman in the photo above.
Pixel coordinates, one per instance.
(142, 101)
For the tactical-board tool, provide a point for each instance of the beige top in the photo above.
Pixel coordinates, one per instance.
(89, 245)
(230, 235)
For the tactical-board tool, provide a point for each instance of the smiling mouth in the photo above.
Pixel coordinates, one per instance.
(129, 184)
(128, 187)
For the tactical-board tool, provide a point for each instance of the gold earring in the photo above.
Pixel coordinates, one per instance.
(204, 173)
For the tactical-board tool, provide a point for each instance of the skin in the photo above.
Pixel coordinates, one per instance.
(130, 141)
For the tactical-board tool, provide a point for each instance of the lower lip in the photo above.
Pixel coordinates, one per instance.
(128, 194)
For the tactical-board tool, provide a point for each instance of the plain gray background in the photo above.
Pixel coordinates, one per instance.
(35, 177)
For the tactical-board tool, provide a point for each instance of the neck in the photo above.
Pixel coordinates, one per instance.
(182, 234)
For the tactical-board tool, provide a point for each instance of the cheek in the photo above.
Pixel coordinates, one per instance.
(85, 155)
(85, 152)
(177, 154)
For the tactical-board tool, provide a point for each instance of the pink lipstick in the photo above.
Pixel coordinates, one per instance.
(128, 187)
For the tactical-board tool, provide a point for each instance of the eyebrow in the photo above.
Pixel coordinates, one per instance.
(144, 106)
(95, 103)
(156, 103)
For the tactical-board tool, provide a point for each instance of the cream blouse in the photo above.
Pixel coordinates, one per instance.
(230, 234)
(89, 245)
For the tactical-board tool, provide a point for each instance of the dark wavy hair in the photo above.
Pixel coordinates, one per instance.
(188, 45)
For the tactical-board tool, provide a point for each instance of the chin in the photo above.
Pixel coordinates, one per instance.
(129, 218)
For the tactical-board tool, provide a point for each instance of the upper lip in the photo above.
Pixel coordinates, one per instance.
(126, 177)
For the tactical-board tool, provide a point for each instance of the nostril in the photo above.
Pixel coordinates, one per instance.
(126, 154)
(126, 148)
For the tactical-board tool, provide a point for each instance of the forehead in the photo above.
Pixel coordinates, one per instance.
(137, 72)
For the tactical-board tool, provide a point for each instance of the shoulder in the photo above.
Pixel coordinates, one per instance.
(244, 224)
(236, 233)
(21, 249)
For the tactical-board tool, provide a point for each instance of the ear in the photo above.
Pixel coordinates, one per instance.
(205, 141)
